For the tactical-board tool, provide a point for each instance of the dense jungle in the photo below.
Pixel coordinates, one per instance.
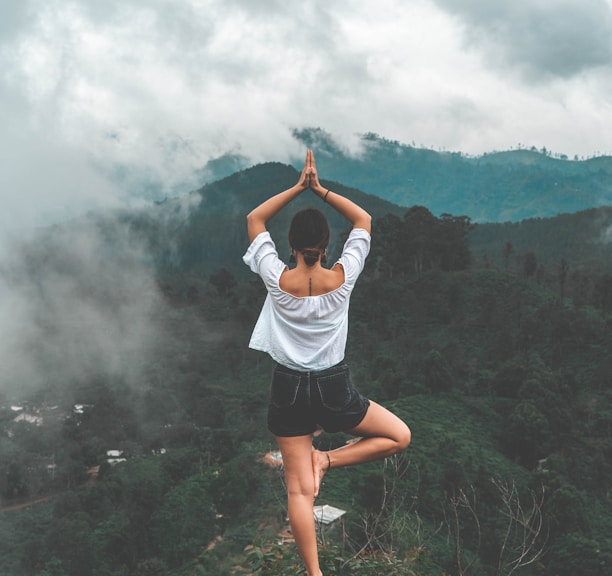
(133, 438)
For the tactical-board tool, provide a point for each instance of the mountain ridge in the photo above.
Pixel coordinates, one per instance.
(214, 234)
(497, 186)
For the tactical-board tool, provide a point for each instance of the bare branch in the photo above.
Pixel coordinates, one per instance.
(457, 503)
(523, 540)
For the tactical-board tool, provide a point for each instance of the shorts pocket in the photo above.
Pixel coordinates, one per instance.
(335, 390)
(284, 389)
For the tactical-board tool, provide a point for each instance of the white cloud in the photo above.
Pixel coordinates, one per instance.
(542, 39)
(115, 102)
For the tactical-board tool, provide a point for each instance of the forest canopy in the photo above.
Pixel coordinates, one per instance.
(152, 462)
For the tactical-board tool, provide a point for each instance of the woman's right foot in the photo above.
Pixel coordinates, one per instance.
(320, 465)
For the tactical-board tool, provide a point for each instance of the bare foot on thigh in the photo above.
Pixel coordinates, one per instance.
(320, 465)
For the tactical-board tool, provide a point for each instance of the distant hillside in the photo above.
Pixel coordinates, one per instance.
(583, 240)
(207, 231)
(200, 234)
(496, 187)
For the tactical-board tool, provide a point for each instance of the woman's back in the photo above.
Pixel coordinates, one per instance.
(311, 281)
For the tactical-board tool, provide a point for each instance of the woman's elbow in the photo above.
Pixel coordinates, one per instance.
(364, 221)
(255, 226)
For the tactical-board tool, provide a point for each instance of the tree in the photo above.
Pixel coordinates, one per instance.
(72, 541)
(386, 254)
(418, 237)
(53, 567)
(223, 281)
(530, 264)
(529, 433)
(142, 492)
(420, 242)
(507, 251)
(436, 371)
(562, 276)
(452, 239)
(575, 553)
(185, 521)
(231, 487)
(603, 291)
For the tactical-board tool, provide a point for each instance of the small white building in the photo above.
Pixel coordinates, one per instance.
(327, 515)
(30, 418)
(81, 408)
(115, 457)
(274, 458)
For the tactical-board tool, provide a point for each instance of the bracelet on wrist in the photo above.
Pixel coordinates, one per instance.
(325, 196)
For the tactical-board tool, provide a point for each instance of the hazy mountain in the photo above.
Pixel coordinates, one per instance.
(206, 231)
(495, 187)
(583, 240)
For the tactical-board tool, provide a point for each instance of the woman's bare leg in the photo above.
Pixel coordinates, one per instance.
(298, 465)
(382, 434)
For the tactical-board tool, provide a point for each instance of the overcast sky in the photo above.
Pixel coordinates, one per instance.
(100, 101)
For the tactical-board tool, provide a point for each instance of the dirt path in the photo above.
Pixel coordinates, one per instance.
(92, 475)
(27, 504)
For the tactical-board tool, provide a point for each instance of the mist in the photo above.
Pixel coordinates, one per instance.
(76, 300)
(122, 103)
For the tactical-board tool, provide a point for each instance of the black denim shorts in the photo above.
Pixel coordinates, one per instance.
(301, 402)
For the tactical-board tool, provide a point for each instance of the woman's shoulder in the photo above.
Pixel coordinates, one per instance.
(356, 246)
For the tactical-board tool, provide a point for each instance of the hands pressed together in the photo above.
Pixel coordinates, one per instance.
(257, 218)
(309, 177)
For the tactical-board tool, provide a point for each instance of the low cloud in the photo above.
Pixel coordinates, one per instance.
(75, 302)
(119, 103)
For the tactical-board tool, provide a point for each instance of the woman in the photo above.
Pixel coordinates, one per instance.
(303, 326)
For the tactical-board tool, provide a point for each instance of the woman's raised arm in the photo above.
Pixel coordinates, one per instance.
(354, 213)
(258, 217)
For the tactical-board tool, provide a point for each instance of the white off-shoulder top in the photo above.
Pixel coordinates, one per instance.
(304, 333)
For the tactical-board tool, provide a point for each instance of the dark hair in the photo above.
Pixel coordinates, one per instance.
(309, 234)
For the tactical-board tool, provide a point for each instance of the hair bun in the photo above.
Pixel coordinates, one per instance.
(311, 256)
